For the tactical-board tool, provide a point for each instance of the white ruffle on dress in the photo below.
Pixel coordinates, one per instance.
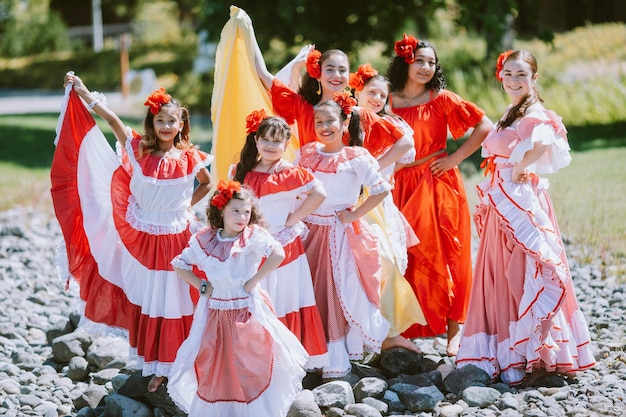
(290, 286)
(344, 258)
(523, 312)
(239, 359)
(124, 218)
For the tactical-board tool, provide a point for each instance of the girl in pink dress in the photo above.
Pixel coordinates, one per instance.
(341, 248)
(523, 320)
(125, 217)
(287, 194)
(239, 359)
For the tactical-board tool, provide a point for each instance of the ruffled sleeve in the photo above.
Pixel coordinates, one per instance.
(380, 133)
(285, 101)
(546, 127)
(461, 114)
(188, 257)
(368, 172)
(263, 243)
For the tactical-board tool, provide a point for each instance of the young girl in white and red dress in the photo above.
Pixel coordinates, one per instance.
(125, 217)
(341, 248)
(239, 359)
(286, 194)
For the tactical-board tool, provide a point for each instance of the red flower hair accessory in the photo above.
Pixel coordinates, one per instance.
(157, 99)
(254, 119)
(313, 63)
(360, 77)
(345, 101)
(406, 48)
(226, 190)
(500, 63)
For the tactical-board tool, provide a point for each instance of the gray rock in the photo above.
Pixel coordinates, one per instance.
(480, 396)
(362, 410)
(304, 405)
(369, 387)
(120, 406)
(334, 394)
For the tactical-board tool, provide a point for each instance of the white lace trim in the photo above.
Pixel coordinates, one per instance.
(176, 226)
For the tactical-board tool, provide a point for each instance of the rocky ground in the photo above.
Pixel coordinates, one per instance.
(49, 368)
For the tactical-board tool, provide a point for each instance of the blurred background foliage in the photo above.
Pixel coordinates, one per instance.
(582, 70)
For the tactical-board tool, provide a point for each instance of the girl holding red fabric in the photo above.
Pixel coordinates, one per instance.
(125, 217)
(430, 192)
(239, 359)
(287, 194)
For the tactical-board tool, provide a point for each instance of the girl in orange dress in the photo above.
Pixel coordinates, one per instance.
(429, 191)
(523, 320)
(287, 194)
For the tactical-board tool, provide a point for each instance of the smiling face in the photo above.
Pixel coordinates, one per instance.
(335, 74)
(422, 70)
(374, 94)
(236, 215)
(329, 126)
(167, 123)
(518, 79)
(270, 148)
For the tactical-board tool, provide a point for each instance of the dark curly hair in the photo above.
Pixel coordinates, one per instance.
(214, 215)
(398, 71)
(309, 86)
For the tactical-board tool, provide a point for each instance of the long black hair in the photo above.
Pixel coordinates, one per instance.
(398, 71)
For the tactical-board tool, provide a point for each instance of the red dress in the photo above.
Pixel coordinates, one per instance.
(124, 218)
(439, 268)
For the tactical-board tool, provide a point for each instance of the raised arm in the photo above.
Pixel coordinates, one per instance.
(98, 106)
(265, 76)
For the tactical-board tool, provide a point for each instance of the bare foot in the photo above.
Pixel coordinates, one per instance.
(532, 377)
(400, 341)
(154, 383)
(454, 337)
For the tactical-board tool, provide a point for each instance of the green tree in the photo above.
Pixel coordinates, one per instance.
(31, 28)
(345, 24)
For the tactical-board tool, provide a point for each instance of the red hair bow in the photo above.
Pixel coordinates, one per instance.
(313, 63)
(345, 101)
(254, 119)
(360, 77)
(500, 63)
(226, 190)
(406, 47)
(157, 99)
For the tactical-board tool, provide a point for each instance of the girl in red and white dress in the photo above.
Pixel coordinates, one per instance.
(239, 359)
(125, 217)
(341, 248)
(287, 194)
(523, 322)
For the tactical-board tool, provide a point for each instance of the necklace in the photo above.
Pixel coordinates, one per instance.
(408, 100)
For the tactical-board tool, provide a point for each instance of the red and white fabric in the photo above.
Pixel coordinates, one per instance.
(239, 359)
(523, 312)
(124, 218)
(344, 259)
(290, 286)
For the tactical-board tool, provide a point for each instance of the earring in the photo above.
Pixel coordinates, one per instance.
(502, 88)
(319, 88)
(347, 89)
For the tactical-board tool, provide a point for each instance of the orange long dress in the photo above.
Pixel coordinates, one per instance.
(439, 268)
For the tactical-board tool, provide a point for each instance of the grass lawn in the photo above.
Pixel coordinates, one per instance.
(588, 196)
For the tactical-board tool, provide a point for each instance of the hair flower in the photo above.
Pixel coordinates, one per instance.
(345, 101)
(313, 63)
(254, 119)
(360, 77)
(406, 47)
(157, 99)
(225, 191)
(500, 63)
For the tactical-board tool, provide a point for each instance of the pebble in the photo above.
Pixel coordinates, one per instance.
(50, 368)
